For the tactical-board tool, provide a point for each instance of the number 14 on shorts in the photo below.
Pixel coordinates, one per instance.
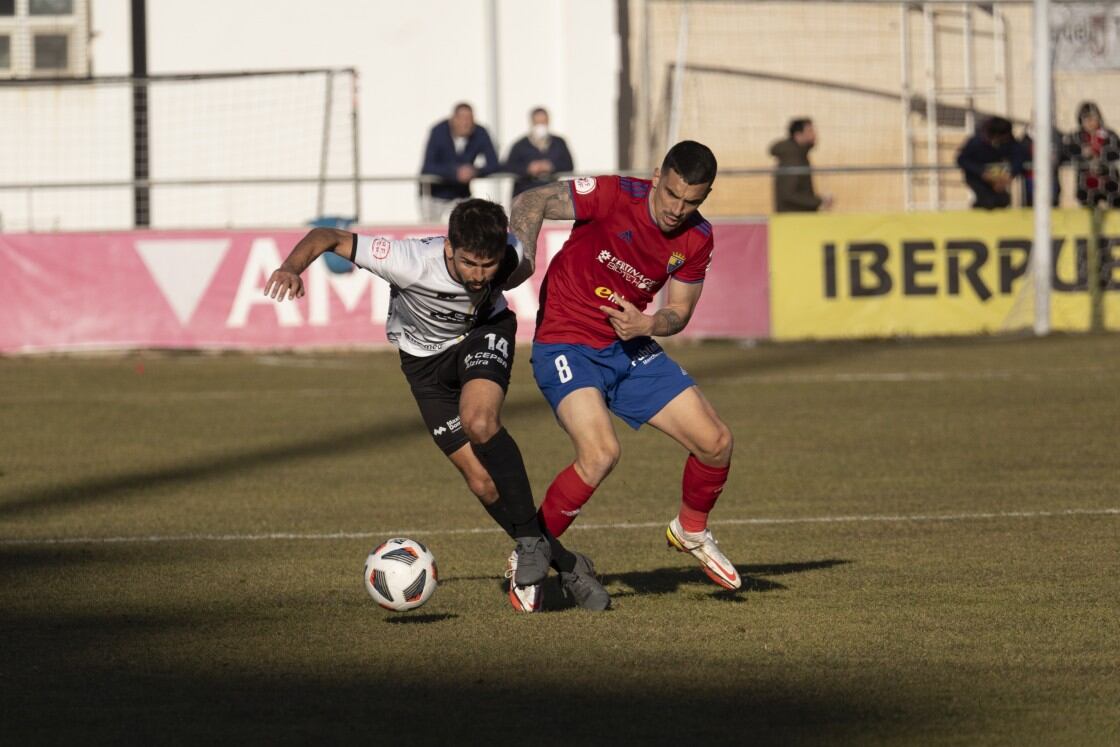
(500, 344)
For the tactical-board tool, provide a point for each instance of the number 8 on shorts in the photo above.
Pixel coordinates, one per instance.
(562, 369)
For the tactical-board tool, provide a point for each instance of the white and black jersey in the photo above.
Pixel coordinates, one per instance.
(430, 311)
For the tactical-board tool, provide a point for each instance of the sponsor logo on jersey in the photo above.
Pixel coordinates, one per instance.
(439, 431)
(451, 316)
(608, 294)
(454, 424)
(381, 247)
(626, 235)
(675, 262)
(585, 185)
(626, 270)
(433, 346)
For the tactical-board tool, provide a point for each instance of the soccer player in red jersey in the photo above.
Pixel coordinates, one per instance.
(594, 353)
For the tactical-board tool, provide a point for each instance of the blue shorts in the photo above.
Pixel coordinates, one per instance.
(636, 377)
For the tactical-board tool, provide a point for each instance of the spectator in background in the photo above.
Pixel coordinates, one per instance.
(537, 157)
(1026, 156)
(458, 150)
(794, 193)
(989, 161)
(1096, 151)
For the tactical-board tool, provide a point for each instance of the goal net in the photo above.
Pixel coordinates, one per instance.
(223, 150)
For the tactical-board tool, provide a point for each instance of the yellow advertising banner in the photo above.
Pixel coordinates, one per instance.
(871, 275)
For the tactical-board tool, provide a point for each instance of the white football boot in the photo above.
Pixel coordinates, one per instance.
(523, 598)
(704, 548)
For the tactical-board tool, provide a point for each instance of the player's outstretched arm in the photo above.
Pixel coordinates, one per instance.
(285, 281)
(527, 214)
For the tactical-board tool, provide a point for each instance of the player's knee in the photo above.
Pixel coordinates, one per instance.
(480, 425)
(716, 450)
(598, 463)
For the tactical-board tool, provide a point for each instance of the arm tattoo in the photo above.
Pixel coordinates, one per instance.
(527, 215)
(667, 322)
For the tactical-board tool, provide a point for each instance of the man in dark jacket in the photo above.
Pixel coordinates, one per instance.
(458, 150)
(793, 193)
(537, 157)
(990, 160)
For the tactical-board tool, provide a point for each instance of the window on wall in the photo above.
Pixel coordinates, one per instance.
(51, 7)
(52, 52)
(44, 38)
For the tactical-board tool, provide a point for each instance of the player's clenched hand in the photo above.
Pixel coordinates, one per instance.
(283, 284)
(627, 321)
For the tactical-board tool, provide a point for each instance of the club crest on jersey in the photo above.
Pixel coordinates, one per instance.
(585, 185)
(675, 262)
(381, 248)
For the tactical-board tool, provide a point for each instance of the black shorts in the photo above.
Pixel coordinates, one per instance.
(437, 380)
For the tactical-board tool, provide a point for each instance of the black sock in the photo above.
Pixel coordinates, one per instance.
(562, 558)
(498, 513)
(502, 459)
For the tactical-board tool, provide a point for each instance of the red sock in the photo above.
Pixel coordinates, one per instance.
(563, 501)
(700, 489)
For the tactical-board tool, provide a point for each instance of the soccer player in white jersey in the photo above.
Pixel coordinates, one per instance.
(456, 336)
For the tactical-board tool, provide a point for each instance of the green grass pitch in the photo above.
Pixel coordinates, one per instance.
(929, 534)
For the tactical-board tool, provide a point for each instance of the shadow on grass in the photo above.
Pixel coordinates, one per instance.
(668, 580)
(423, 619)
(111, 679)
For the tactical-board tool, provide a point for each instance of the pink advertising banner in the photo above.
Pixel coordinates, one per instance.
(203, 289)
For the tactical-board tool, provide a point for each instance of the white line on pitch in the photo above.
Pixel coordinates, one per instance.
(871, 518)
(912, 376)
(855, 377)
(150, 397)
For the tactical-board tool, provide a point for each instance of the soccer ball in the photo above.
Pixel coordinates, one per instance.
(400, 574)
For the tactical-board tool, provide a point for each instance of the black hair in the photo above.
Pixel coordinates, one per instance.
(997, 127)
(479, 226)
(694, 161)
(462, 105)
(799, 124)
(538, 110)
(1089, 109)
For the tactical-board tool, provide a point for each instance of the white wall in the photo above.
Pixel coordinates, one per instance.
(415, 60)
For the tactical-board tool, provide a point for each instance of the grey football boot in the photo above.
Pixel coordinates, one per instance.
(582, 585)
(534, 556)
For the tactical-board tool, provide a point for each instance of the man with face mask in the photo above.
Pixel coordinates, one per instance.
(536, 158)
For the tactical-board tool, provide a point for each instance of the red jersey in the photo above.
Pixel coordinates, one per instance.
(615, 249)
